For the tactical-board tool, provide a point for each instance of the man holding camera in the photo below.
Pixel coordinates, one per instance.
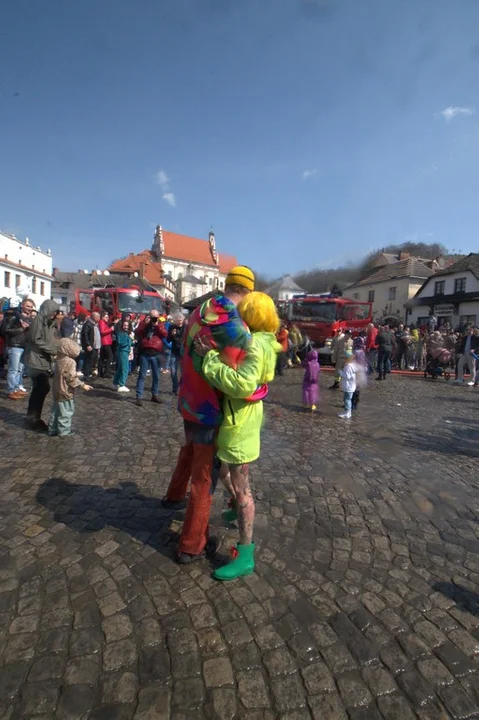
(150, 334)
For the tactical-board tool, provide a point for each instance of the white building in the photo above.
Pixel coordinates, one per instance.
(285, 289)
(179, 266)
(24, 269)
(452, 295)
(390, 287)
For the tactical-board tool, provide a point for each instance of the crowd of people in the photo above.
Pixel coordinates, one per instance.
(230, 349)
(409, 348)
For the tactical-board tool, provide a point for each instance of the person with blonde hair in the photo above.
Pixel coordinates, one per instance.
(238, 441)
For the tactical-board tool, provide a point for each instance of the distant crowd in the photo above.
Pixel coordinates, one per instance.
(84, 347)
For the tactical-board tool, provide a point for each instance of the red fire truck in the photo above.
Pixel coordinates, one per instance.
(116, 301)
(319, 316)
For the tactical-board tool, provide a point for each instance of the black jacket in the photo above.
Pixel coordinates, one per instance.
(15, 334)
(87, 337)
(384, 340)
(175, 337)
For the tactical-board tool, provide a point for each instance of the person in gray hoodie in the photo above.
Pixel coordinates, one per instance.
(40, 350)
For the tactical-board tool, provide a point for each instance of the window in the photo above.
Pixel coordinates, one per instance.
(42, 288)
(460, 285)
(439, 287)
(210, 281)
(355, 296)
(313, 311)
(392, 293)
(352, 312)
(221, 284)
(34, 285)
(467, 320)
(18, 280)
(371, 296)
(84, 298)
(7, 279)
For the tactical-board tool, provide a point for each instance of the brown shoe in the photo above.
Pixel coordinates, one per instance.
(156, 399)
(16, 395)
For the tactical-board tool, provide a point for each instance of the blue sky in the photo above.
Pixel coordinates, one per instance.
(306, 132)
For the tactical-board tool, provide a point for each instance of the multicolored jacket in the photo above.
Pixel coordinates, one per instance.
(216, 320)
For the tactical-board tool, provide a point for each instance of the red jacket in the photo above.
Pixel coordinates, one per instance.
(106, 332)
(371, 339)
(150, 337)
(282, 338)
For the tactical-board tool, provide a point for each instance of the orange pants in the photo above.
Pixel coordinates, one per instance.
(196, 461)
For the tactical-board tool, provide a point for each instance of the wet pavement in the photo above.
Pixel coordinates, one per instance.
(365, 600)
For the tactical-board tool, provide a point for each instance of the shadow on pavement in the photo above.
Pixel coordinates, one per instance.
(465, 599)
(90, 508)
(11, 416)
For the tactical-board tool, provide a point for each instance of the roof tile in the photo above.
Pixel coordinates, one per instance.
(410, 267)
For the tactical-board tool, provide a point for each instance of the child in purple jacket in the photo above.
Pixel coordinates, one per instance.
(310, 380)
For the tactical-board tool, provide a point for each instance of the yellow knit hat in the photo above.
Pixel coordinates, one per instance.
(241, 275)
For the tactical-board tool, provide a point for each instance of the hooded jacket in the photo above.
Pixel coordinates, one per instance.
(238, 439)
(216, 320)
(312, 367)
(65, 378)
(41, 346)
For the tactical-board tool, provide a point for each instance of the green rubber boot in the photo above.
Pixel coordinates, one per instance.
(232, 514)
(241, 564)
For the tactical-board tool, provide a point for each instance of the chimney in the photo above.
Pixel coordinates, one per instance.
(404, 255)
(142, 271)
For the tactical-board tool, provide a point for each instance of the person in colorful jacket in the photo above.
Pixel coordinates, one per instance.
(238, 441)
(201, 406)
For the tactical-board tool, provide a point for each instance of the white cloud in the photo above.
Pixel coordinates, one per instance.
(307, 174)
(162, 179)
(453, 111)
(169, 197)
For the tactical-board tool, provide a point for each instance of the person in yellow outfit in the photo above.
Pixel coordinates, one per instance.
(238, 441)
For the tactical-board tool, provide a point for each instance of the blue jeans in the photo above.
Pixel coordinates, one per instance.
(348, 401)
(146, 361)
(15, 368)
(175, 361)
(166, 359)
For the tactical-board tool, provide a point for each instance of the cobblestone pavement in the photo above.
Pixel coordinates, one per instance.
(365, 603)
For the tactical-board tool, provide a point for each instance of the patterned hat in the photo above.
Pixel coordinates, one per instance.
(242, 276)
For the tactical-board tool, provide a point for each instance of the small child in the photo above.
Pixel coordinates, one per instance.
(65, 381)
(361, 362)
(124, 354)
(348, 383)
(310, 380)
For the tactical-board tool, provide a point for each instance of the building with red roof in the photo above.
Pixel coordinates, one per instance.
(178, 266)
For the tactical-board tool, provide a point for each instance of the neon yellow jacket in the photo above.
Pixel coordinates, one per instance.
(238, 440)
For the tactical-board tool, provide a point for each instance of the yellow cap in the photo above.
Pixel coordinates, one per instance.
(241, 275)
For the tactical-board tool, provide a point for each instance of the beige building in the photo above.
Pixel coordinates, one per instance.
(179, 267)
(390, 287)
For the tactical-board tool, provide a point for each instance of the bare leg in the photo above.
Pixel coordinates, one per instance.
(244, 501)
(225, 477)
